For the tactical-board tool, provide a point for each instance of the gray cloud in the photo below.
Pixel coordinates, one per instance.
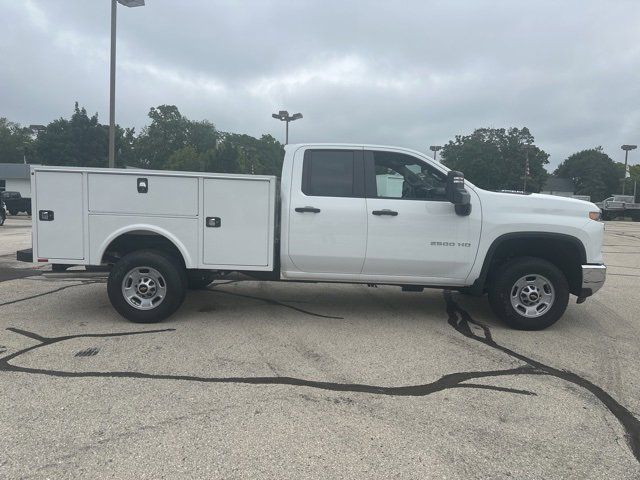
(409, 73)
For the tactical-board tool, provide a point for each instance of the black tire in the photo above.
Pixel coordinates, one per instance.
(504, 284)
(173, 280)
(29, 212)
(2, 219)
(198, 279)
(13, 213)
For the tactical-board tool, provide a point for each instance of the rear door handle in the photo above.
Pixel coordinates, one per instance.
(307, 209)
(385, 212)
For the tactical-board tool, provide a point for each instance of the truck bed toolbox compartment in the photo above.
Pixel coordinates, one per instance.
(58, 215)
(238, 222)
(141, 194)
(216, 221)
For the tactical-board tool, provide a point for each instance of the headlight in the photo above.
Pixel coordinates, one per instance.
(594, 215)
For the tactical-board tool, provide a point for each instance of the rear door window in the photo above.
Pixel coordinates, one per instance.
(333, 173)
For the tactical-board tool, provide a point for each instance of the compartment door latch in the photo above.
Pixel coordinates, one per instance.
(143, 185)
(45, 215)
(214, 222)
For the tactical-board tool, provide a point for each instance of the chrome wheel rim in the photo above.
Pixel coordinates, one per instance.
(532, 296)
(144, 288)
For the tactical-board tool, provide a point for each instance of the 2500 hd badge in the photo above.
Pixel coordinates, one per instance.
(450, 244)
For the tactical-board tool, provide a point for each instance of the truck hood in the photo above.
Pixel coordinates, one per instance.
(538, 203)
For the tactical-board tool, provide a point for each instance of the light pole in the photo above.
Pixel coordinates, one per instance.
(526, 169)
(284, 116)
(626, 149)
(37, 128)
(434, 149)
(35, 131)
(112, 83)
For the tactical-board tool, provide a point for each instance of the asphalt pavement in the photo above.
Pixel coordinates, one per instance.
(274, 380)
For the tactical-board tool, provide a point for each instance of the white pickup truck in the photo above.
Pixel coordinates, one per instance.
(340, 213)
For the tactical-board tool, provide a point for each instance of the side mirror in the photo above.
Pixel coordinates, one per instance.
(456, 193)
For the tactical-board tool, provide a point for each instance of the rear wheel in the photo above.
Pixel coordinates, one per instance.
(529, 293)
(147, 286)
(13, 213)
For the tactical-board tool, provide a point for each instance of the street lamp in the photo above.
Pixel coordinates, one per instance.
(626, 149)
(36, 129)
(434, 149)
(112, 86)
(284, 116)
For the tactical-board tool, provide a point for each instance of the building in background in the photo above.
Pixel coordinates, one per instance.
(562, 187)
(14, 177)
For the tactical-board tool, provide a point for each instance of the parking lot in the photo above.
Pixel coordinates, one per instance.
(269, 380)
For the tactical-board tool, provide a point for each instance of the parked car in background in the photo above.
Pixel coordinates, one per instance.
(3, 213)
(620, 206)
(16, 203)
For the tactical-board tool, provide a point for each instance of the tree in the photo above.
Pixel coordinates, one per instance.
(226, 159)
(494, 158)
(190, 160)
(80, 141)
(169, 133)
(15, 142)
(170, 141)
(165, 135)
(261, 156)
(593, 173)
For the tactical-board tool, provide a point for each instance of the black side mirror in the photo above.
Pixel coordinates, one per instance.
(456, 193)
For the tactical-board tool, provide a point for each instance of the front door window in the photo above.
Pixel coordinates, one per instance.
(402, 176)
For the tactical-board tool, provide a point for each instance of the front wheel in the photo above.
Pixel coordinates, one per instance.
(529, 293)
(146, 286)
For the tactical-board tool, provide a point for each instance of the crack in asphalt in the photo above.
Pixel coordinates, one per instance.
(453, 380)
(270, 301)
(11, 302)
(458, 318)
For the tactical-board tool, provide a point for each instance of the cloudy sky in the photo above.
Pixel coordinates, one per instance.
(409, 73)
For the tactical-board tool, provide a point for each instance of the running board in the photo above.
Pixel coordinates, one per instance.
(76, 275)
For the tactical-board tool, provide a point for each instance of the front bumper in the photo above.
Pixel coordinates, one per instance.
(593, 277)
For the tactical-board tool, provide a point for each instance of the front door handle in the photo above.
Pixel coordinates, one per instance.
(386, 211)
(307, 209)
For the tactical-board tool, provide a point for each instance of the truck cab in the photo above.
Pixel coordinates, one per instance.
(373, 215)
